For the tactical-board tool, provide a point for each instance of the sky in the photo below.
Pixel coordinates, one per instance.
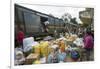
(55, 10)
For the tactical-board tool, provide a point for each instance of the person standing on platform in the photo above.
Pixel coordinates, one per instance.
(88, 44)
(20, 36)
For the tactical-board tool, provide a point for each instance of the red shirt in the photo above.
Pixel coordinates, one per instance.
(20, 36)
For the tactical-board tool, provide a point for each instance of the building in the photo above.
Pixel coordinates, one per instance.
(87, 17)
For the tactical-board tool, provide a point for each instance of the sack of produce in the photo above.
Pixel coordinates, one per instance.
(44, 48)
(36, 49)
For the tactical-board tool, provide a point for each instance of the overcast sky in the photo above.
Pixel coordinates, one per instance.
(55, 11)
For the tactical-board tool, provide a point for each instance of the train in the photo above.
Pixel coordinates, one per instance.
(37, 24)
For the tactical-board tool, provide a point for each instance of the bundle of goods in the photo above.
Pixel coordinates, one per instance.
(19, 58)
(75, 56)
(28, 44)
(31, 58)
(79, 42)
(62, 56)
(44, 45)
(70, 48)
(56, 55)
(62, 44)
(71, 39)
(36, 49)
(43, 48)
(53, 56)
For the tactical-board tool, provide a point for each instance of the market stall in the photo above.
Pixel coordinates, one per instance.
(64, 49)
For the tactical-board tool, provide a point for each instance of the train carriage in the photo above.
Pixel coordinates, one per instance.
(38, 24)
(33, 22)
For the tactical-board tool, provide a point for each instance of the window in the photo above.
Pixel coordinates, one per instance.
(32, 22)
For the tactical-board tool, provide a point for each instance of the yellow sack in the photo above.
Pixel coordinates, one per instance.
(36, 49)
(44, 48)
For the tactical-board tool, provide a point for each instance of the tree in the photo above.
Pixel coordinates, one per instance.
(73, 20)
(66, 17)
